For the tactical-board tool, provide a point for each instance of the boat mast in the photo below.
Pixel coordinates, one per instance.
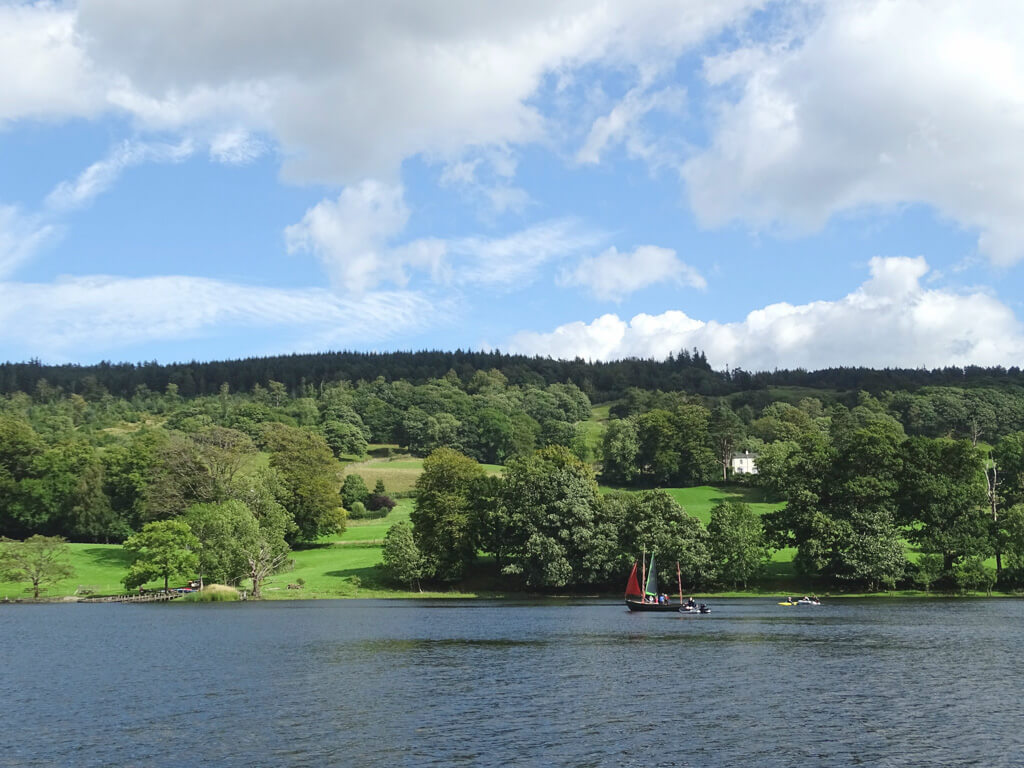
(679, 576)
(643, 573)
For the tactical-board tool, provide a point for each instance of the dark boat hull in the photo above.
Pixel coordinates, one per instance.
(636, 605)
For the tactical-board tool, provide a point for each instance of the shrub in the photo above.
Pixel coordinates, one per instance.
(360, 512)
(213, 593)
(380, 501)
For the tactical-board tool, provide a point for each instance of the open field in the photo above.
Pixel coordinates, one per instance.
(399, 474)
(98, 567)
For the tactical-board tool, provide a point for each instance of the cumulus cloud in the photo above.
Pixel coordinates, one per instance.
(353, 237)
(21, 236)
(612, 276)
(43, 68)
(351, 89)
(891, 320)
(98, 313)
(873, 104)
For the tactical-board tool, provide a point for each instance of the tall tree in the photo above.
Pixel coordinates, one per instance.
(162, 549)
(444, 517)
(263, 545)
(219, 530)
(620, 448)
(739, 551)
(309, 478)
(726, 431)
(942, 498)
(556, 530)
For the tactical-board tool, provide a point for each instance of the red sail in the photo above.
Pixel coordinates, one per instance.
(633, 586)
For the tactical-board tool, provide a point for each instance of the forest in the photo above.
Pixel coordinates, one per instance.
(880, 478)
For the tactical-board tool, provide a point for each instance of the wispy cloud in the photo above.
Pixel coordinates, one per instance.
(101, 175)
(21, 236)
(99, 313)
(354, 238)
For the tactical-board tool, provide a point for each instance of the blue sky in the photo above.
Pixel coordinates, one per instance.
(781, 184)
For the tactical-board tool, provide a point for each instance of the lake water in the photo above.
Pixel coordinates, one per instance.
(479, 683)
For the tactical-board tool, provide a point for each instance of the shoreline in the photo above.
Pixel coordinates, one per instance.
(535, 598)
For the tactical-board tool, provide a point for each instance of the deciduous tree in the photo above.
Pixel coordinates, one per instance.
(443, 517)
(403, 562)
(737, 543)
(162, 549)
(39, 560)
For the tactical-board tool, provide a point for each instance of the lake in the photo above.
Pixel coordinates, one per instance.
(485, 683)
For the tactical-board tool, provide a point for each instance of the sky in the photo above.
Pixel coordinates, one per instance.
(789, 184)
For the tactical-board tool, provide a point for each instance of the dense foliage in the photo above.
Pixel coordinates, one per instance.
(250, 455)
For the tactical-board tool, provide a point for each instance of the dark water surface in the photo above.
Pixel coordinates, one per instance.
(452, 683)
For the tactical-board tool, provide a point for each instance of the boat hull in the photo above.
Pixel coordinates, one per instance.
(641, 607)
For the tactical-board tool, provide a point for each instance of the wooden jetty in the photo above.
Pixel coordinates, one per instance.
(134, 597)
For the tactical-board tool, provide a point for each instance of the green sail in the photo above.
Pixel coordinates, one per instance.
(652, 580)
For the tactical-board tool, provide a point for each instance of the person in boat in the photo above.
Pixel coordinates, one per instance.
(789, 599)
(690, 602)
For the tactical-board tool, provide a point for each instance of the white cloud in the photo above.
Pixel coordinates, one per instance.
(874, 104)
(891, 321)
(350, 89)
(514, 259)
(44, 71)
(99, 313)
(236, 147)
(21, 236)
(101, 175)
(622, 125)
(611, 276)
(353, 238)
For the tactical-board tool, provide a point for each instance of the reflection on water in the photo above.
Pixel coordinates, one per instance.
(411, 683)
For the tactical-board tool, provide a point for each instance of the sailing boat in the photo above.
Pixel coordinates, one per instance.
(637, 600)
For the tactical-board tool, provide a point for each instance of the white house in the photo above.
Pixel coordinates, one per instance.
(744, 463)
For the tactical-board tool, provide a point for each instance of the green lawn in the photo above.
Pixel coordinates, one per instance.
(374, 530)
(400, 474)
(98, 567)
(699, 500)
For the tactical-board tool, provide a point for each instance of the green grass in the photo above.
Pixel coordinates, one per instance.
(399, 474)
(98, 567)
(374, 530)
(699, 500)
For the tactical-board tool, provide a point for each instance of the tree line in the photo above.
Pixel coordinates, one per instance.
(602, 381)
